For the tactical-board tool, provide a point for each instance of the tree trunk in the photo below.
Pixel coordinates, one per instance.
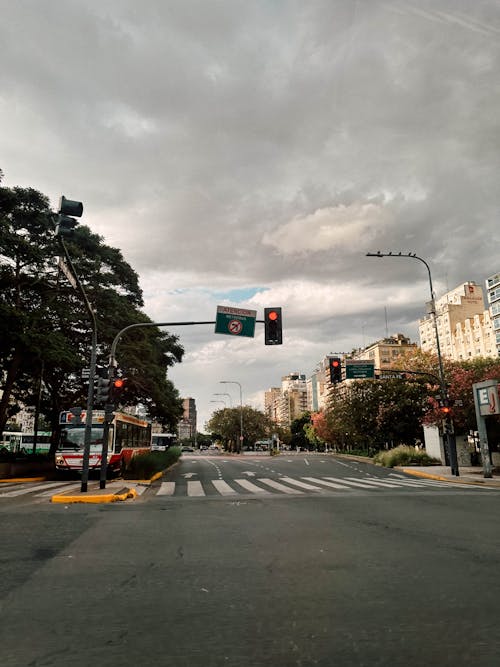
(12, 372)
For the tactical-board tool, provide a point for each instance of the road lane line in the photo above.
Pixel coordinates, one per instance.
(376, 482)
(301, 485)
(279, 487)
(253, 488)
(166, 489)
(223, 487)
(195, 489)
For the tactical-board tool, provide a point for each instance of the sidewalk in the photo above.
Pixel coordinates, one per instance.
(467, 474)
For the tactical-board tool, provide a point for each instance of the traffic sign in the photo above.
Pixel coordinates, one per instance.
(359, 369)
(235, 321)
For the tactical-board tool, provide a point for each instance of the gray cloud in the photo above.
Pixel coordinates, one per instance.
(230, 144)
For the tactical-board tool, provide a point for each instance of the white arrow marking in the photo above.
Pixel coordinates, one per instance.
(249, 473)
(188, 475)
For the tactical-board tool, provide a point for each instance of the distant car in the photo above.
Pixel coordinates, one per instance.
(187, 449)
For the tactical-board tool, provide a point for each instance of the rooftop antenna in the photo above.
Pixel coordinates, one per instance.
(386, 325)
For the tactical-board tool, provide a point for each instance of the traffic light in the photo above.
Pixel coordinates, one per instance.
(67, 208)
(335, 370)
(102, 390)
(273, 332)
(117, 387)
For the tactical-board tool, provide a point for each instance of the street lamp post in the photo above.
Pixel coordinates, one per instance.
(448, 423)
(224, 394)
(241, 409)
(221, 401)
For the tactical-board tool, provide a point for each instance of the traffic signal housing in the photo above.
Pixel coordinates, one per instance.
(335, 366)
(273, 329)
(68, 208)
(117, 387)
(102, 390)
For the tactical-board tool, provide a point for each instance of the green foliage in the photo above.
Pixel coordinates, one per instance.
(403, 455)
(226, 424)
(45, 330)
(144, 466)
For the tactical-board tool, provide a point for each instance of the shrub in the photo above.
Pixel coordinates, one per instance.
(404, 455)
(144, 466)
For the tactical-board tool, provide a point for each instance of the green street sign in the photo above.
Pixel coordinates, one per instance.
(359, 369)
(235, 321)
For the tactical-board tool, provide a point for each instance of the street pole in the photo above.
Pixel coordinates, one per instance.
(448, 430)
(241, 410)
(93, 356)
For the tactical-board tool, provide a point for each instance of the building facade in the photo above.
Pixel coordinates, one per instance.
(386, 351)
(187, 427)
(493, 292)
(284, 404)
(464, 325)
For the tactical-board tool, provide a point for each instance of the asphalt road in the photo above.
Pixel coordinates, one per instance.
(367, 575)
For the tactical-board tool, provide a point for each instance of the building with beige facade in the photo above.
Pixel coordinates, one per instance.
(284, 404)
(463, 323)
(385, 352)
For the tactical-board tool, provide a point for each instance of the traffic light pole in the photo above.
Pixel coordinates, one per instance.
(93, 356)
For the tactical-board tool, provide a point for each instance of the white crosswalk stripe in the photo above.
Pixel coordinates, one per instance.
(223, 487)
(253, 488)
(276, 485)
(301, 485)
(166, 489)
(29, 489)
(325, 482)
(194, 488)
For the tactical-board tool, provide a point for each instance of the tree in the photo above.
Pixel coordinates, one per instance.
(226, 424)
(299, 438)
(44, 324)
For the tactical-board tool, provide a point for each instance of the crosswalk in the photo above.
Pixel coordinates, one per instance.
(296, 486)
(282, 485)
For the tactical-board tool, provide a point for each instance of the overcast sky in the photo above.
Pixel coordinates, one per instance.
(250, 154)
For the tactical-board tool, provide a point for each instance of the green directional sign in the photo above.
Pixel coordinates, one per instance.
(235, 321)
(359, 369)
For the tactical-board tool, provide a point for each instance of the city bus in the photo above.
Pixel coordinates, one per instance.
(22, 442)
(128, 436)
(160, 442)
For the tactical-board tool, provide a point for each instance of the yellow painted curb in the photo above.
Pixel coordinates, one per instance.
(23, 479)
(103, 498)
(428, 475)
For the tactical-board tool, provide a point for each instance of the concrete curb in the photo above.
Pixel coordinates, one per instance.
(440, 478)
(98, 498)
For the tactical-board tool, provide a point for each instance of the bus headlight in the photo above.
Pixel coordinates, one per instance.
(59, 460)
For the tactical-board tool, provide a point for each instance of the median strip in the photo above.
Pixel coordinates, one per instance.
(123, 494)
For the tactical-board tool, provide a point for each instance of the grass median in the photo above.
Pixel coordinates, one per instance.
(402, 456)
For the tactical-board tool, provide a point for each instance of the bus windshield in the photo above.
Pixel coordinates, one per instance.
(74, 438)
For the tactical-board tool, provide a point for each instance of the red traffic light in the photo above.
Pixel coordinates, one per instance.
(273, 315)
(118, 383)
(446, 409)
(335, 363)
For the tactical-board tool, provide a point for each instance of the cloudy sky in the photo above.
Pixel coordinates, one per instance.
(250, 154)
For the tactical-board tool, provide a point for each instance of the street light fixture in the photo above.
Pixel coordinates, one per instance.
(241, 409)
(224, 394)
(450, 436)
(221, 401)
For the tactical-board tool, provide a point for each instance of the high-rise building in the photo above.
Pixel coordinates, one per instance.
(493, 290)
(187, 425)
(463, 324)
(284, 404)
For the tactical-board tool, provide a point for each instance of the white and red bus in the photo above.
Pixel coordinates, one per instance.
(128, 436)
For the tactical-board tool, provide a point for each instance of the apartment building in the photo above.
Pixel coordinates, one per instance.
(187, 426)
(284, 404)
(385, 352)
(493, 292)
(464, 325)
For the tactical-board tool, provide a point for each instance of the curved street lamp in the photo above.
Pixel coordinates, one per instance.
(225, 394)
(450, 436)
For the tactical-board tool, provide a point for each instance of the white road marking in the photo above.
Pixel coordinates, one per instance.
(21, 492)
(63, 489)
(249, 473)
(306, 462)
(166, 489)
(223, 487)
(195, 489)
(333, 485)
(188, 475)
(359, 483)
(276, 485)
(302, 485)
(253, 488)
(376, 482)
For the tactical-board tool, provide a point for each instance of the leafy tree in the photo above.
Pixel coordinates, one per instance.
(299, 438)
(226, 424)
(43, 322)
